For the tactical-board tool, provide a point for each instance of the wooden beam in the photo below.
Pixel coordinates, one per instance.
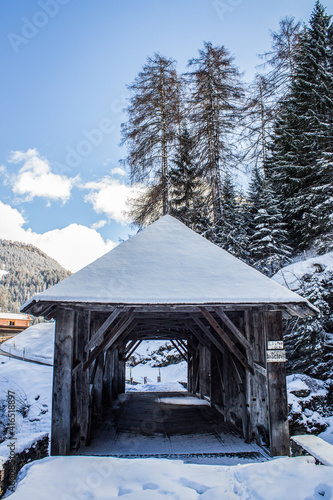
(233, 328)
(98, 337)
(197, 335)
(208, 334)
(111, 337)
(180, 352)
(181, 346)
(226, 339)
(134, 347)
(130, 345)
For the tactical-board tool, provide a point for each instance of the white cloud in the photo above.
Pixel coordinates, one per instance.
(118, 171)
(73, 246)
(112, 197)
(99, 224)
(35, 178)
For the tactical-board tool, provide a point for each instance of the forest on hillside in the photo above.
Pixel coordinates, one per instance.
(187, 134)
(24, 271)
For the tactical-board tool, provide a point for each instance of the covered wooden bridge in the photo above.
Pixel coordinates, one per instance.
(167, 282)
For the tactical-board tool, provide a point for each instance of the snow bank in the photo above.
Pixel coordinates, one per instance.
(37, 342)
(31, 385)
(106, 478)
(291, 275)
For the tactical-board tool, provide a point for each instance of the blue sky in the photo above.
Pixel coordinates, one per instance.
(65, 67)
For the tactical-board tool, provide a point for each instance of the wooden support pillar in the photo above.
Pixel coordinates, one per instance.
(62, 382)
(204, 367)
(121, 371)
(115, 373)
(277, 387)
(190, 354)
(196, 363)
(107, 378)
(216, 380)
(82, 379)
(98, 386)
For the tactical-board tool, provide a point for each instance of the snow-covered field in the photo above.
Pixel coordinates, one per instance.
(36, 343)
(171, 376)
(104, 478)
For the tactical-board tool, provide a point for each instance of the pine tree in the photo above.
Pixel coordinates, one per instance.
(187, 201)
(309, 341)
(214, 99)
(268, 236)
(150, 131)
(229, 232)
(303, 134)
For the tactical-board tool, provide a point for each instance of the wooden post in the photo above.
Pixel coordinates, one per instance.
(107, 378)
(82, 378)
(122, 371)
(204, 367)
(277, 387)
(98, 386)
(115, 373)
(62, 382)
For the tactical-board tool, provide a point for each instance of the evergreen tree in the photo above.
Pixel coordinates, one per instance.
(309, 341)
(268, 236)
(150, 131)
(214, 99)
(303, 134)
(229, 232)
(187, 202)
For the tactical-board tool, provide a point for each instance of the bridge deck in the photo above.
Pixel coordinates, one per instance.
(170, 425)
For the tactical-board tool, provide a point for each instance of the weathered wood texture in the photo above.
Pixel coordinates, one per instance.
(277, 391)
(62, 382)
(80, 379)
(256, 385)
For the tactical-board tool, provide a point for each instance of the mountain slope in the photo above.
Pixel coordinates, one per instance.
(24, 271)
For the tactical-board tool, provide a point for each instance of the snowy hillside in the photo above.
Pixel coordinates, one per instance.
(36, 343)
(291, 276)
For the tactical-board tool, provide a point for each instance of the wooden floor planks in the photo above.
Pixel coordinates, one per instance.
(171, 425)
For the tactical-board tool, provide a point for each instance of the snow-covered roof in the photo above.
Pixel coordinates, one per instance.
(168, 263)
(14, 316)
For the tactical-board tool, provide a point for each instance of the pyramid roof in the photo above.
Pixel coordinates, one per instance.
(168, 263)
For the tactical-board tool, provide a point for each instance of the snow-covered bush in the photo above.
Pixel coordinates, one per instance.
(310, 402)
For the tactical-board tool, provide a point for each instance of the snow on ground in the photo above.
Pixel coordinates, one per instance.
(37, 342)
(291, 275)
(31, 385)
(106, 478)
(171, 376)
